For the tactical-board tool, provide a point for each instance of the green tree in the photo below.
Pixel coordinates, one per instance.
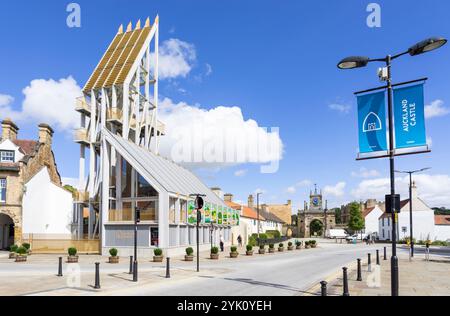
(338, 213)
(356, 221)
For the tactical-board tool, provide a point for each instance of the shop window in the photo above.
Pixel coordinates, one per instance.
(183, 211)
(172, 210)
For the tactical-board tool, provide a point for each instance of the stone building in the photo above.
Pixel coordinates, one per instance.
(315, 220)
(32, 199)
(282, 211)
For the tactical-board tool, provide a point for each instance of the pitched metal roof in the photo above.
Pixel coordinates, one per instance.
(156, 169)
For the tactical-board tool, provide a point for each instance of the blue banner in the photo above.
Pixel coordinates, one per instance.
(372, 122)
(409, 115)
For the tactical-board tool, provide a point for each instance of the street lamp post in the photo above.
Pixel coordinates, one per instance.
(360, 61)
(257, 209)
(137, 219)
(410, 173)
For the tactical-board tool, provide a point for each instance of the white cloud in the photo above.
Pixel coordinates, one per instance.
(47, 101)
(435, 109)
(304, 183)
(336, 190)
(176, 58)
(6, 110)
(70, 181)
(343, 108)
(240, 173)
(208, 70)
(291, 190)
(433, 189)
(365, 173)
(216, 137)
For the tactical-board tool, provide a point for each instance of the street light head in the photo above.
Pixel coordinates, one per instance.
(427, 45)
(353, 62)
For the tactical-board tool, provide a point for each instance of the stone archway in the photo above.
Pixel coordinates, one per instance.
(316, 228)
(7, 226)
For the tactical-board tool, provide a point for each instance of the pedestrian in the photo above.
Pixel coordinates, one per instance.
(221, 243)
(427, 250)
(239, 239)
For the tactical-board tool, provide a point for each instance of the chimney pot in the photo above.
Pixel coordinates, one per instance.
(9, 130)
(45, 134)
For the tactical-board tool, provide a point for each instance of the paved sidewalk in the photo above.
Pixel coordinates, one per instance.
(416, 278)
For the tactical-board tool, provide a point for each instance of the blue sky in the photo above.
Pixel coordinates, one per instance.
(275, 60)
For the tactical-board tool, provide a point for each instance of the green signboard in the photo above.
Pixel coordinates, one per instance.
(207, 213)
(214, 213)
(192, 213)
(219, 215)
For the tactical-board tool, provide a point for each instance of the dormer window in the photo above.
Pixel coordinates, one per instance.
(6, 156)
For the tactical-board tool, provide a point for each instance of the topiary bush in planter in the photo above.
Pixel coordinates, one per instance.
(114, 258)
(262, 249)
(21, 254)
(271, 248)
(249, 251)
(290, 246)
(158, 255)
(313, 243)
(307, 245)
(72, 258)
(298, 245)
(280, 247)
(214, 253)
(233, 252)
(189, 254)
(13, 251)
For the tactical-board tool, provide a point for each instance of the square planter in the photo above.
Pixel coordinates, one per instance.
(307, 247)
(158, 258)
(214, 256)
(261, 251)
(72, 259)
(188, 258)
(234, 254)
(114, 259)
(291, 248)
(280, 249)
(271, 250)
(298, 247)
(20, 258)
(249, 253)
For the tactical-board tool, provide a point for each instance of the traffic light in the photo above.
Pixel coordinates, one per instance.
(396, 206)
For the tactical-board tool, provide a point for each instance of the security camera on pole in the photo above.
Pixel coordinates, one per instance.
(198, 206)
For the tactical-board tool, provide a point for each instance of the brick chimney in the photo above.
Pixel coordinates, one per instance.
(250, 201)
(228, 197)
(9, 130)
(45, 134)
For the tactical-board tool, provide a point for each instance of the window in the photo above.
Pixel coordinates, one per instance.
(2, 190)
(183, 211)
(382, 222)
(172, 216)
(6, 156)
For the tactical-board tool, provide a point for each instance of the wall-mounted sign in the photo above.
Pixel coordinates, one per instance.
(409, 117)
(219, 215)
(192, 213)
(207, 212)
(372, 122)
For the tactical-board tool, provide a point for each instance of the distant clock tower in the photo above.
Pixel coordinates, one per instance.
(315, 201)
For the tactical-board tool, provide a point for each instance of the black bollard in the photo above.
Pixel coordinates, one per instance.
(131, 265)
(168, 268)
(378, 257)
(369, 263)
(385, 257)
(97, 275)
(323, 288)
(345, 282)
(359, 277)
(135, 271)
(60, 274)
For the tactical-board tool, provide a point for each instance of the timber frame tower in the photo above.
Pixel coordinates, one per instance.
(121, 96)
